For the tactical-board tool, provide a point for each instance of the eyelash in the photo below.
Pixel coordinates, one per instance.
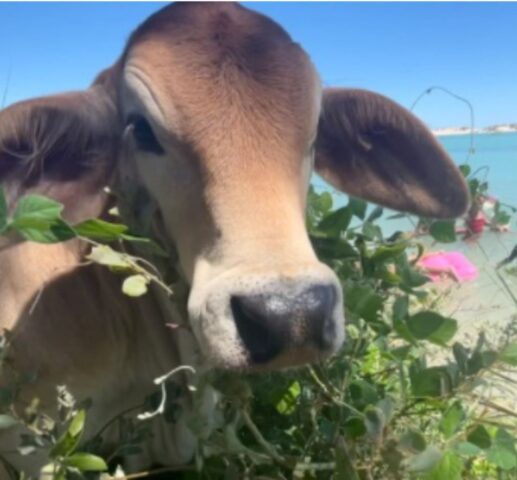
(143, 134)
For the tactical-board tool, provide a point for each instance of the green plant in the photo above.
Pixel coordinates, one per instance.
(402, 400)
(380, 409)
(497, 215)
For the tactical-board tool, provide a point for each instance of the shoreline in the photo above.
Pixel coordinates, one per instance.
(444, 132)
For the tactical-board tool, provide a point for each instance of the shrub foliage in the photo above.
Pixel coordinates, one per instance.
(404, 399)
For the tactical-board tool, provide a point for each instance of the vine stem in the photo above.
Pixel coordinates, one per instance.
(148, 473)
(270, 450)
(329, 395)
(134, 262)
(495, 406)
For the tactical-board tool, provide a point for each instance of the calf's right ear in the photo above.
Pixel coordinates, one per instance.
(372, 148)
(57, 138)
(63, 147)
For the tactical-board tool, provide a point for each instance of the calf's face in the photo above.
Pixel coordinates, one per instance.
(221, 118)
(233, 107)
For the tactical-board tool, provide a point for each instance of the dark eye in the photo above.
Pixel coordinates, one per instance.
(144, 136)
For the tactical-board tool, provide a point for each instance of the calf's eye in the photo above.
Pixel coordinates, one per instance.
(144, 136)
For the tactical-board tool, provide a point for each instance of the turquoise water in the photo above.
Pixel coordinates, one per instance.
(495, 154)
(487, 302)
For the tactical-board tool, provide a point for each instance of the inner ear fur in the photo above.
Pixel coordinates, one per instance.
(59, 138)
(372, 148)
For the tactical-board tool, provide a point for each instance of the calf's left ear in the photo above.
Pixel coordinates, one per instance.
(372, 148)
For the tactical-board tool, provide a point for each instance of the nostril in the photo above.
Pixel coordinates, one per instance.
(320, 302)
(289, 319)
(251, 319)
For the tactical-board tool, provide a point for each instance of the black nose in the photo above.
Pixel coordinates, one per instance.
(271, 323)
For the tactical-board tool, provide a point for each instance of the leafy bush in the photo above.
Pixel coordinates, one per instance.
(402, 400)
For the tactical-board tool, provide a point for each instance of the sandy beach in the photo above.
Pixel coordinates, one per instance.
(503, 128)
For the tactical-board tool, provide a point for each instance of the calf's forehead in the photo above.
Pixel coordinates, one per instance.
(224, 73)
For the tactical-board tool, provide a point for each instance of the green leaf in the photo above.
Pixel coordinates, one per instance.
(465, 169)
(7, 395)
(401, 307)
(502, 457)
(336, 222)
(363, 393)
(388, 252)
(70, 439)
(105, 255)
(326, 429)
(400, 314)
(433, 327)
(431, 382)
(324, 202)
(400, 353)
(354, 427)
(3, 211)
(413, 441)
(504, 439)
(38, 219)
(376, 214)
(452, 419)
(100, 230)
(443, 231)
(86, 462)
(411, 277)
(467, 449)
(53, 471)
(450, 467)
(333, 248)
(374, 421)
(389, 277)
(503, 453)
(424, 461)
(76, 426)
(287, 404)
(135, 285)
(461, 356)
(32, 209)
(480, 437)
(6, 421)
(358, 207)
(55, 232)
(397, 216)
(345, 469)
(480, 360)
(364, 302)
(145, 245)
(509, 354)
(372, 231)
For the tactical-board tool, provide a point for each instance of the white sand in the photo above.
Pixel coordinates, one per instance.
(503, 128)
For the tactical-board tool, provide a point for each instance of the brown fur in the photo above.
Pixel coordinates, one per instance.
(373, 149)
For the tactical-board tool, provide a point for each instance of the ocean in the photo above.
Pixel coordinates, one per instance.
(495, 156)
(488, 302)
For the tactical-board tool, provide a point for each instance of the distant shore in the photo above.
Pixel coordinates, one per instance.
(503, 128)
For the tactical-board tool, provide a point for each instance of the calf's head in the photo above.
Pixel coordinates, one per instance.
(222, 118)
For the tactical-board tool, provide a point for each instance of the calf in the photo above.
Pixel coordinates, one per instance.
(219, 118)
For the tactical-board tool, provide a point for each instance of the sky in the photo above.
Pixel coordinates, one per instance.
(397, 49)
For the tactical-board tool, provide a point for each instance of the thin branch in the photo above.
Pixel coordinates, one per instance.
(269, 449)
(150, 473)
